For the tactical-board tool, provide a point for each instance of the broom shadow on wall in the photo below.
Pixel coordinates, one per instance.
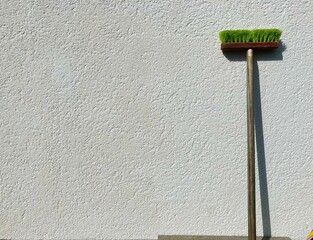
(259, 134)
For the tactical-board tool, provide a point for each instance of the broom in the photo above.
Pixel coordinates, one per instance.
(248, 41)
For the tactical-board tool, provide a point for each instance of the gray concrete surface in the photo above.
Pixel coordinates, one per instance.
(186, 237)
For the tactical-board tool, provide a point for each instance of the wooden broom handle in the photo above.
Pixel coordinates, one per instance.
(251, 148)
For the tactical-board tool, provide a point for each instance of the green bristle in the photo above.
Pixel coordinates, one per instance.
(256, 35)
(245, 35)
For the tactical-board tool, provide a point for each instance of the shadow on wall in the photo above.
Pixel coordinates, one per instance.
(259, 135)
(270, 55)
(264, 55)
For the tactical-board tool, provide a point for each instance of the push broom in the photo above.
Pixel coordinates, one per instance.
(245, 41)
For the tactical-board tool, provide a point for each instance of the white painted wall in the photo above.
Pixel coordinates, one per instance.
(123, 119)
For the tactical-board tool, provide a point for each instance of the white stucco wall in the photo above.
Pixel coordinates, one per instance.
(123, 119)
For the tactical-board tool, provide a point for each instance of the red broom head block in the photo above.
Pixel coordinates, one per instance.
(250, 45)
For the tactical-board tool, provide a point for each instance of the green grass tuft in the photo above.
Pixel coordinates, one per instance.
(256, 35)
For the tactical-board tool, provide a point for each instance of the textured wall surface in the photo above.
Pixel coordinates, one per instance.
(123, 119)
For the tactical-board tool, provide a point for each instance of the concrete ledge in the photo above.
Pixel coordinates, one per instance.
(191, 237)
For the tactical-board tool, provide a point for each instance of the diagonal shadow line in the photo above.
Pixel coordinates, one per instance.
(266, 220)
